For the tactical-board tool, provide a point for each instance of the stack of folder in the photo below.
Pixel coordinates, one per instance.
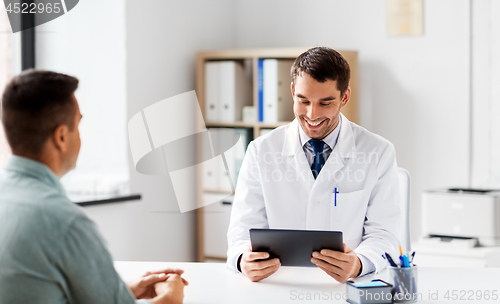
(227, 90)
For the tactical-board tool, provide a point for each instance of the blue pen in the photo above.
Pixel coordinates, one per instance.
(403, 258)
(404, 261)
(336, 192)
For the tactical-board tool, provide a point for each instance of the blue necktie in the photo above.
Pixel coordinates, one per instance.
(318, 161)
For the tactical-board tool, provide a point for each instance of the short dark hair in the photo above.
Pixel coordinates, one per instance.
(34, 104)
(323, 63)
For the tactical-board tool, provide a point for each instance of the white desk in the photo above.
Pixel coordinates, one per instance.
(212, 283)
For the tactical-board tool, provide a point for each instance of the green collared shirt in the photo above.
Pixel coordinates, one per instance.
(50, 251)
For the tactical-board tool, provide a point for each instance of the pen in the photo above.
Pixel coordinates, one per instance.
(391, 261)
(404, 261)
(336, 192)
(403, 258)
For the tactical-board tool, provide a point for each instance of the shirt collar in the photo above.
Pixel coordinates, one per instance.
(33, 169)
(330, 139)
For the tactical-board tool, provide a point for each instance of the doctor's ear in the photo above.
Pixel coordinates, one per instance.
(345, 97)
(292, 89)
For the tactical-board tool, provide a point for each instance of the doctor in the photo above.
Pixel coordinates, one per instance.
(320, 172)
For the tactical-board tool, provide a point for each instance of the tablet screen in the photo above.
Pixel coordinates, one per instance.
(294, 247)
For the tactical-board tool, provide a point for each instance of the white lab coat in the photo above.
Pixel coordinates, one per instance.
(276, 189)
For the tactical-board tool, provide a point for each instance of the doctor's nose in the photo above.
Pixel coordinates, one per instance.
(313, 112)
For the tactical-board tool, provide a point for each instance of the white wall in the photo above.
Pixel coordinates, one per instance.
(162, 40)
(486, 94)
(414, 91)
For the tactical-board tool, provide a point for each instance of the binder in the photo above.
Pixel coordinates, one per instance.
(225, 175)
(234, 91)
(225, 179)
(211, 91)
(227, 90)
(241, 148)
(210, 166)
(260, 87)
(277, 97)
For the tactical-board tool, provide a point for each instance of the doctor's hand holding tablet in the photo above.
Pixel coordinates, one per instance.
(257, 265)
(339, 265)
(319, 173)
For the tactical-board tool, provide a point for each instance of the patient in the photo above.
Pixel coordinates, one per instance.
(50, 252)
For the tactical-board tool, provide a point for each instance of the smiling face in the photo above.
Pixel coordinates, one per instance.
(317, 105)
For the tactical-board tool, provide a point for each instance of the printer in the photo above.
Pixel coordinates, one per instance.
(462, 215)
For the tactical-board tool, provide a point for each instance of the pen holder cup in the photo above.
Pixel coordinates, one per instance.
(405, 282)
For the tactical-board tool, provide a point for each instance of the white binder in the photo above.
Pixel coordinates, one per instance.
(278, 101)
(211, 91)
(240, 151)
(225, 176)
(234, 91)
(210, 167)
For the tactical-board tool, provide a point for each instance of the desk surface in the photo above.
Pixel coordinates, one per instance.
(212, 283)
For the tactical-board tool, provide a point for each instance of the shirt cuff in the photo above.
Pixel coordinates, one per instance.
(238, 262)
(366, 265)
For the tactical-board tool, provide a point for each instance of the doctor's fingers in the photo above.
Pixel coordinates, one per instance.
(346, 262)
(257, 275)
(252, 256)
(347, 268)
(341, 256)
(264, 264)
(269, 273)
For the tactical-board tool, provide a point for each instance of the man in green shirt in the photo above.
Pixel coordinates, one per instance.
(50, 252)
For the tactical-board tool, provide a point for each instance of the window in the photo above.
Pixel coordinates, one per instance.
(97, 57)
(102, 168)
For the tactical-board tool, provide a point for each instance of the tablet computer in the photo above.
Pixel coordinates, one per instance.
(294, 247)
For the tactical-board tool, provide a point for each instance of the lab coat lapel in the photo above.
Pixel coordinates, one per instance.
(344, 149)
(292, 150)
